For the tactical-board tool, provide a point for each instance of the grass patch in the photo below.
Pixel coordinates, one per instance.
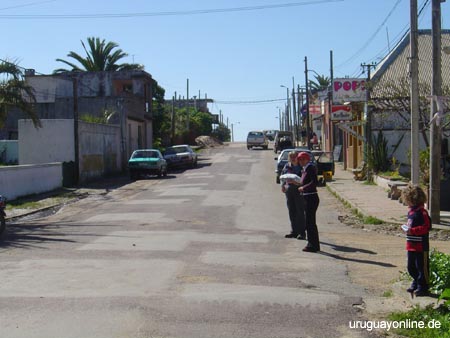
(388, 293)
(427, 316)
(372, 220)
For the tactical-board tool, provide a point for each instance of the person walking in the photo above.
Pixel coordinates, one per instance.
(294, 199)
(309, 190)
(417, 239)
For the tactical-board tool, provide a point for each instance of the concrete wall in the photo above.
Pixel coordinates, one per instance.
(23, 180)
(9, 151)
(99, 147)
(54, 142)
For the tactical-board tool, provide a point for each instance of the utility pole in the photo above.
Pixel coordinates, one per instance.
(172, 126)
(414, 93)
(308, 138)
(75, 131)
(294, 113)
(187, 106)
(435, 130)
(368, 114)
(330, 105)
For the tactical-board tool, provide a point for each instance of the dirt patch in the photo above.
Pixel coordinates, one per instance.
(379, 263)
(207, 142)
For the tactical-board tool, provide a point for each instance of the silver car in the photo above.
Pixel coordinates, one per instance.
(181, 155)
(257, 139)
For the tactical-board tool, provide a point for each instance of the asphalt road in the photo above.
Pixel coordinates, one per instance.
(200, 253)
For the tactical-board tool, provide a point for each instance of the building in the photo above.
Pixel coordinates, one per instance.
(390, 96)
(119, 97)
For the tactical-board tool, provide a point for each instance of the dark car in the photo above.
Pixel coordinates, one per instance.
(147, 162)
(283, 140)
(282, 159)
(181, 155)
(325, 164)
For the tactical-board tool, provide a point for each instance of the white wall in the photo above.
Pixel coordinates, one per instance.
(54, 142)
(23, 180)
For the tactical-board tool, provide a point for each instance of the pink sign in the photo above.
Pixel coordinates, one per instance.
(351, 90)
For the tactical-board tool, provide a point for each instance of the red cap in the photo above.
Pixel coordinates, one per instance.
(303, 155)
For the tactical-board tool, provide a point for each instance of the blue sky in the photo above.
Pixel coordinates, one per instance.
(232, 56)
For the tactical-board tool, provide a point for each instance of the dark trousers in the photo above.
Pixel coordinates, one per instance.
(418, 269)
(311, 205)
(296, 208)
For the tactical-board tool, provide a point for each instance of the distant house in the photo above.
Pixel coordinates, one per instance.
(124, 96)
(390, 95)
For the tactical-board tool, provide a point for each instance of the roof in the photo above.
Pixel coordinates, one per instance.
(394, 69)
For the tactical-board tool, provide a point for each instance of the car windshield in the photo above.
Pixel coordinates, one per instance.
(176, 150)
(254, 133)
(284, 156)
(145, 154)
(326, 157)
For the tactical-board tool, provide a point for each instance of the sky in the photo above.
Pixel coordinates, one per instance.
(237, 52)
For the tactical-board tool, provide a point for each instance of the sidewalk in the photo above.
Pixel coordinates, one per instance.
(372, 200)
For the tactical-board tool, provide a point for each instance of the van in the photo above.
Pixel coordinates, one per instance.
(257, 139)
(283, 140)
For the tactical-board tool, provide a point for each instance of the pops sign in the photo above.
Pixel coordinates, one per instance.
(351, 90)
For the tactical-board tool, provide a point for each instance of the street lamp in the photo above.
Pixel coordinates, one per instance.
(232, 131)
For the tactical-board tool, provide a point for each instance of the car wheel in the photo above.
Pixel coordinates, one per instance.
(165, 172)
(2, 226)
(278, 180)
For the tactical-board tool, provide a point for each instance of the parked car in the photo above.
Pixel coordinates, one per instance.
(282, 159)
(257, 139)
(147, 162)
(325, 165)
(270, 134)
(283, 140)
(181, 155)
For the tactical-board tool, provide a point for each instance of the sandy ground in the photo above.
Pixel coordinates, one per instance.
(381, 266)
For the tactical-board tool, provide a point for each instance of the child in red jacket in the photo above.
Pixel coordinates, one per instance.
(417, 242)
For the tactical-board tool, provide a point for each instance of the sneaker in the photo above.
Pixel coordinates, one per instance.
(309, 249)
(412, 288)
(303, 237)
(421, 293)
(291, 235)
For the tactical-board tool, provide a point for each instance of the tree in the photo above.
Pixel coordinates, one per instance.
(100, 56)
(15, 93)
(322, 82)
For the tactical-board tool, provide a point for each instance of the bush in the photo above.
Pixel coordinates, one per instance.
(377, 155)
(439, 271)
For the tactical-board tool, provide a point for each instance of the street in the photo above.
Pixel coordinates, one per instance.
(200, 253)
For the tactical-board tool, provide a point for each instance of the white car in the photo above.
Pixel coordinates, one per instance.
(257, 139)
(181, 155)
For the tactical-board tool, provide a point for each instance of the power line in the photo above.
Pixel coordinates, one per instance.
(250, 102)
(358, 52)
(26, 5)
(168, 13)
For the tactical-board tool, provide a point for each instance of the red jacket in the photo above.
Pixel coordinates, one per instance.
(420, 225)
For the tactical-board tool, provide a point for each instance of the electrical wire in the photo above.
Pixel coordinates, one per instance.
(249, 102)
(26, 5)
(169, 13)
(367, 43)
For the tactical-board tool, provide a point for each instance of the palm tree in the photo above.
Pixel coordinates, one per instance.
(100, 56)
(15, 93)
(322, 82)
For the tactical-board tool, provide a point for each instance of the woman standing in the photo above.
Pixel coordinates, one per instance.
(294, 198)
(309, 190)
